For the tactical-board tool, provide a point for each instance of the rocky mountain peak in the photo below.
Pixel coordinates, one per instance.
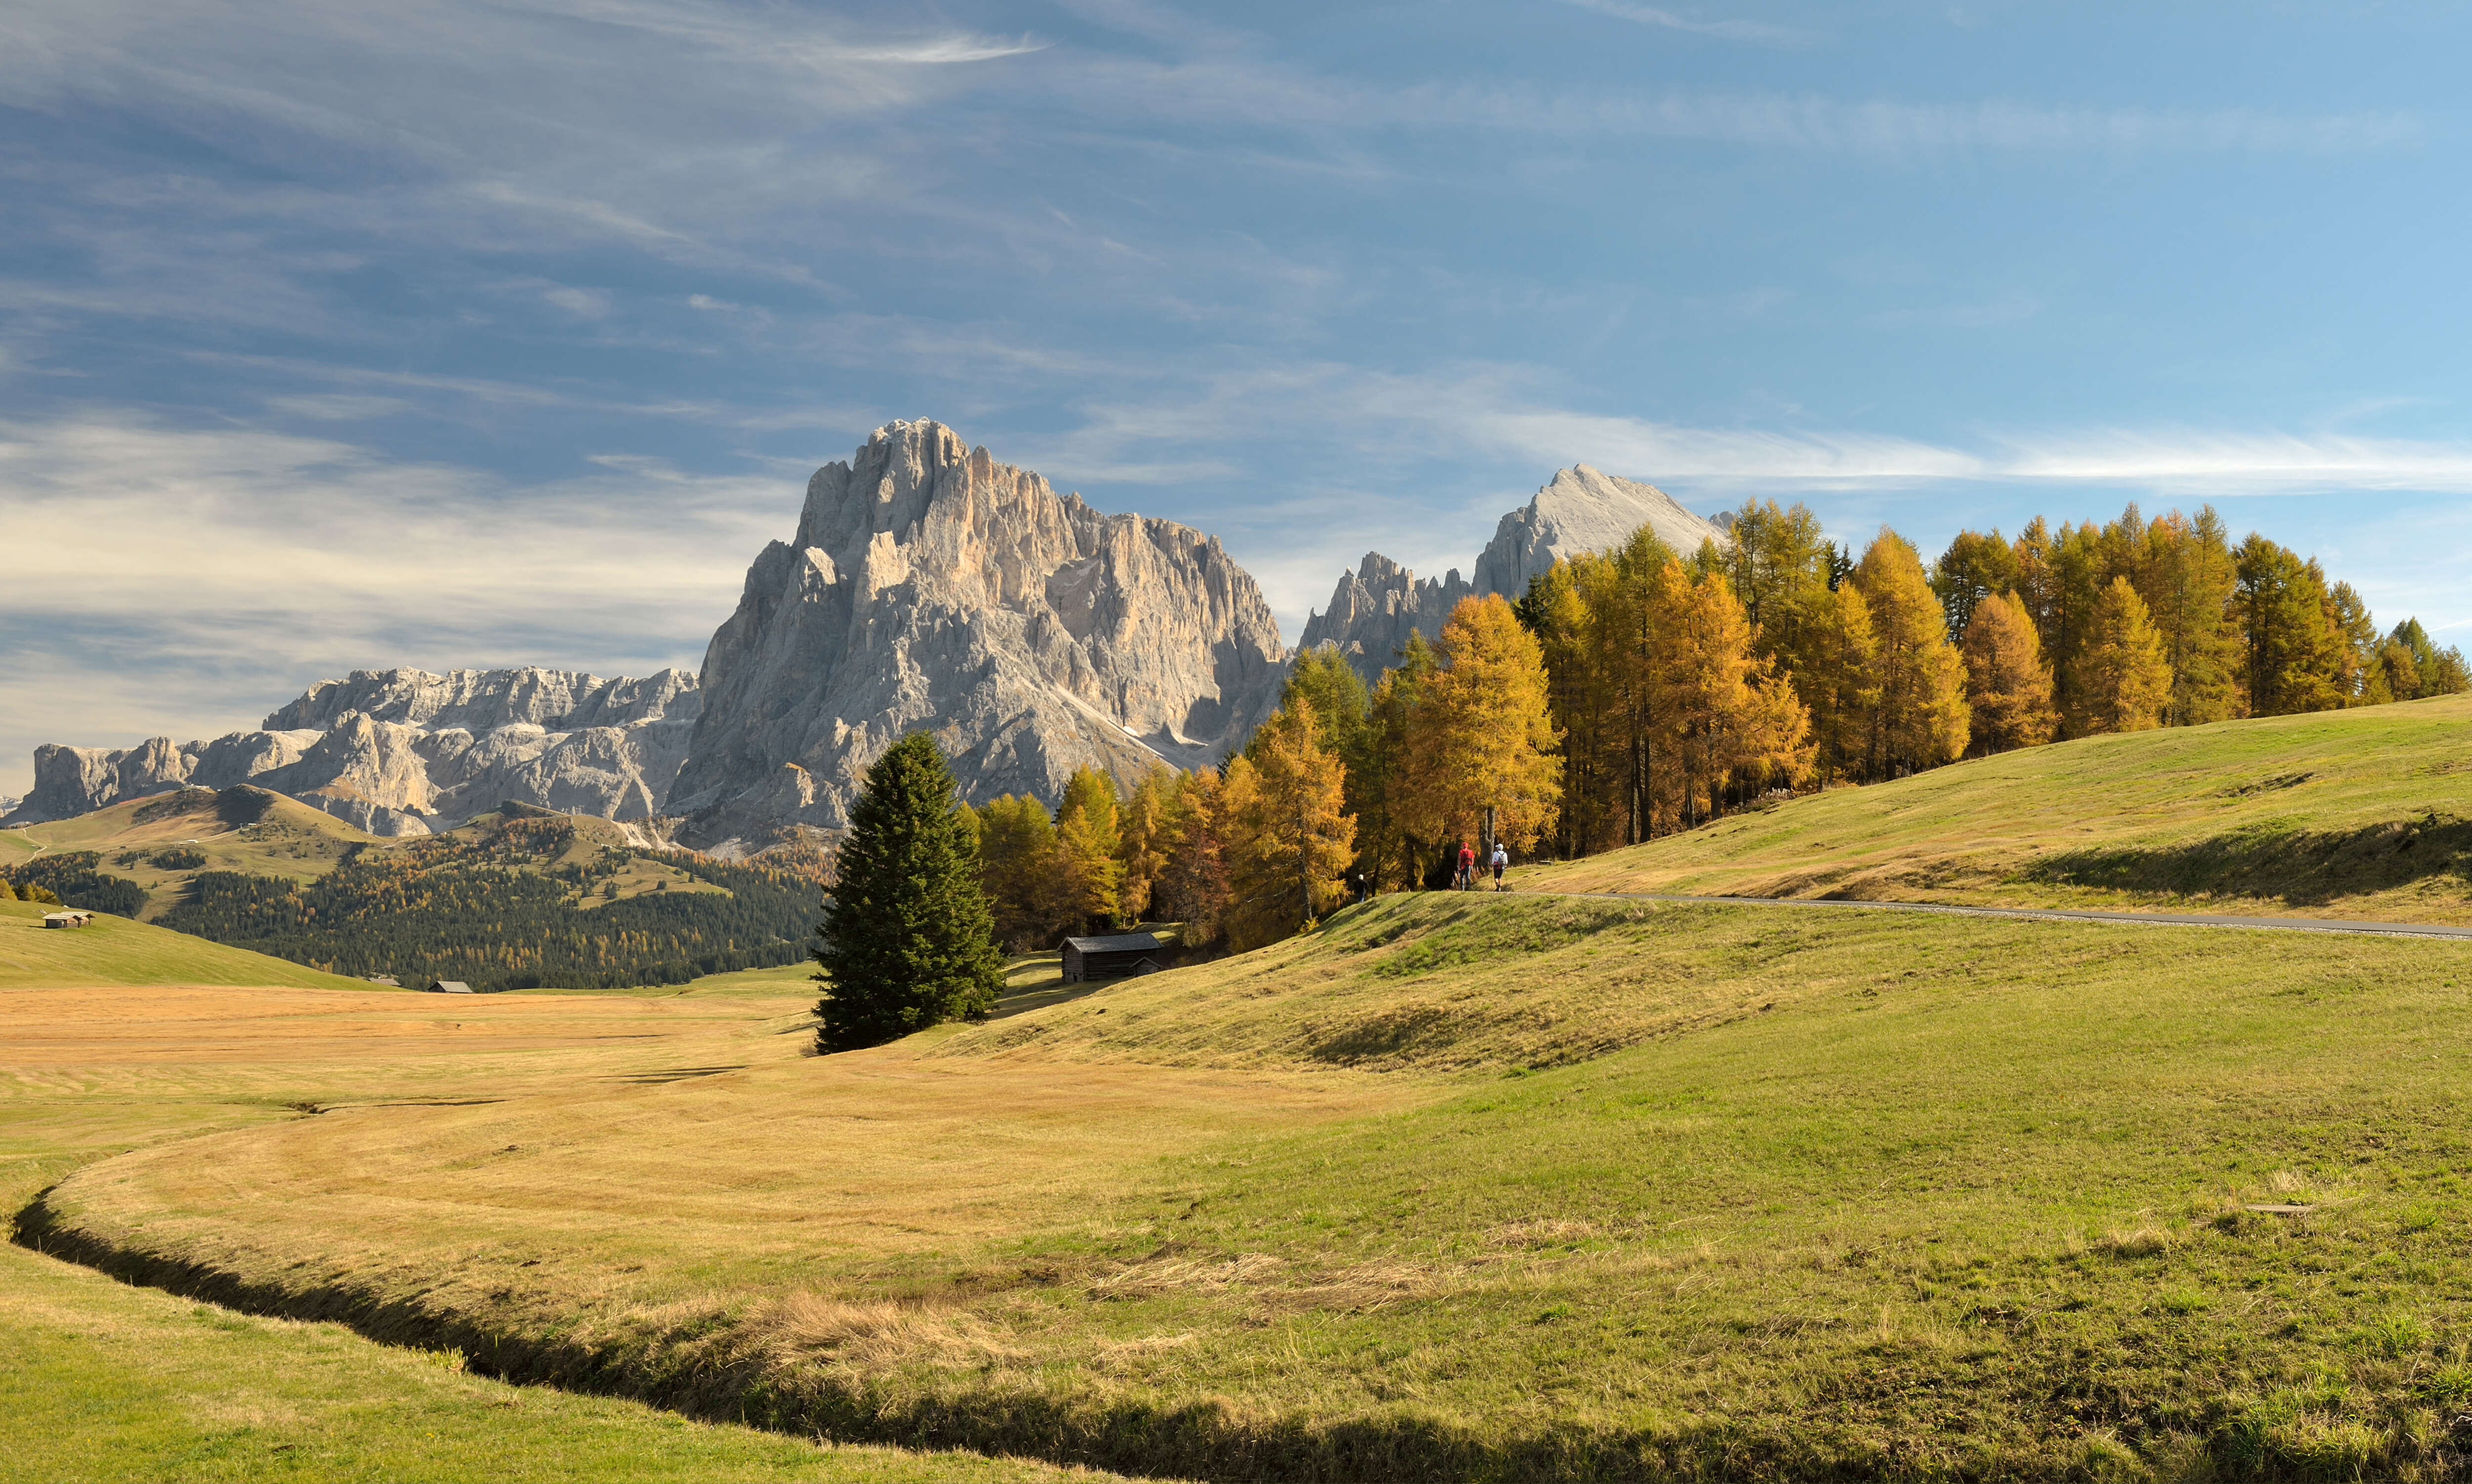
(928, 586)
(1581, 509)
(484, 700)
(1374, 608)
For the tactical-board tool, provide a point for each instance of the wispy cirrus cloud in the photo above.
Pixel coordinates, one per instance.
(244, 564)
(1761, 32)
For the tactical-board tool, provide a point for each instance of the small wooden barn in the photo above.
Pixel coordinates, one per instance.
(72, 918)
(1116, 958)
(449, 987)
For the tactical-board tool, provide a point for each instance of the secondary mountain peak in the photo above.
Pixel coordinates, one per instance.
(1375, 607)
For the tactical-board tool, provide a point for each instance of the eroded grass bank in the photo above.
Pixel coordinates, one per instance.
(1474, 1187)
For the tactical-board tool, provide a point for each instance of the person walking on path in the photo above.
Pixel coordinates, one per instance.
(1466, 879)
(1501, 863)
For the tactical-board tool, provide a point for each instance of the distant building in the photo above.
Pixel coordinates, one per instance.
(387, 979)
(449, 987)
(68, 919)
(1111, 958)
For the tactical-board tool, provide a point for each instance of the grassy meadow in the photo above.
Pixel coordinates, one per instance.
(122, 1036)
(1459, 1187)
(2363, 814)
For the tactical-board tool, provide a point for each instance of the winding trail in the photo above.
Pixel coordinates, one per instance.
(2377, 930)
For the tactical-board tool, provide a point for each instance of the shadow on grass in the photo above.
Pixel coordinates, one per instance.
(2303, 868)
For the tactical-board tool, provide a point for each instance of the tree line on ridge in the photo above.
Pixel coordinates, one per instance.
(1637, 691)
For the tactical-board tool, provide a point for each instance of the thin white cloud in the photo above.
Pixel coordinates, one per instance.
(267, 561)
(1724, 30)
(583, 304)
(2197, 460)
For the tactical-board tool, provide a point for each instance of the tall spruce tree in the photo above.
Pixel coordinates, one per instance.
(907, 941)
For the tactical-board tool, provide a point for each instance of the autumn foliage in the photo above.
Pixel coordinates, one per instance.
(1633, 693)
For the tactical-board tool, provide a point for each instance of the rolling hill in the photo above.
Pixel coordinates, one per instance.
(117, 953)
(2363, 814)
(1472, 1186)
(123, 1035)
(518, 897)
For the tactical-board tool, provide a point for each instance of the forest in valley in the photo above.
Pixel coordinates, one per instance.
(498, 913)
(1638, 691)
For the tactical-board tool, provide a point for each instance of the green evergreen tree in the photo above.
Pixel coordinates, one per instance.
(908, 940)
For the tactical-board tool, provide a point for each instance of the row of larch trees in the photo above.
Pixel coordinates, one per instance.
(1637, 691)
(1656, 681)
(2139, 623)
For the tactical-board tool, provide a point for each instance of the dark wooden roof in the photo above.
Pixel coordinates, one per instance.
(1121, 943)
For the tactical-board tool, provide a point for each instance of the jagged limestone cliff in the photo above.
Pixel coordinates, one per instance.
(929, 586)
(407, 752)
(926, 586)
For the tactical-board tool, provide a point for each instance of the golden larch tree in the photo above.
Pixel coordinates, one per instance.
(1192, 886)
(1287, 835)
(1921, 718)
(1483, 735)
(1145, 830)
(2008, 686)
(1719, 710)
(1086, 840)
(1837, 676)
(2121, 680)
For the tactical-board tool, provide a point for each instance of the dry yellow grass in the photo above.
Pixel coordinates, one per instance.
(107, 1382)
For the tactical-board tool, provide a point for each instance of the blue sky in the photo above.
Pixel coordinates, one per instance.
(451, 333)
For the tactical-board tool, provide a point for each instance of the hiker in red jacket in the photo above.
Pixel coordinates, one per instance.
(1466, 879)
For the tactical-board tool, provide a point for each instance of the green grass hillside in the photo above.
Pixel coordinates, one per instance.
(163, 841)
(121, 1035)
(115, 951)
(2362, 814)
(516, 898)
(1477, 1187)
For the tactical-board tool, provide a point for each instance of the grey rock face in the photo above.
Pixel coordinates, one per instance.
(407, 752)
(1377, 606)
(1579, 510)
(1583, 510)
(928, 586)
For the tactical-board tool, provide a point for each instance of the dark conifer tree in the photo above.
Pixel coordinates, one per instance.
(908, 940)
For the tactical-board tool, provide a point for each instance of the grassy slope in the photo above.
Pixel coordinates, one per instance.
(1793, 1197)
(2353, 813)
(254, 831)
(263, 834)
(116, 952)
(108, 1383)
(106, 1046)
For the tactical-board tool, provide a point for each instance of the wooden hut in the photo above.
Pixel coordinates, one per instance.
(1116, 958)
(71, 918)
(449, 987)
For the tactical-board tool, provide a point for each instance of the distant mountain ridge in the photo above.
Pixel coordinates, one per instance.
(399, 752)
(1374, 608)
(925, 586)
